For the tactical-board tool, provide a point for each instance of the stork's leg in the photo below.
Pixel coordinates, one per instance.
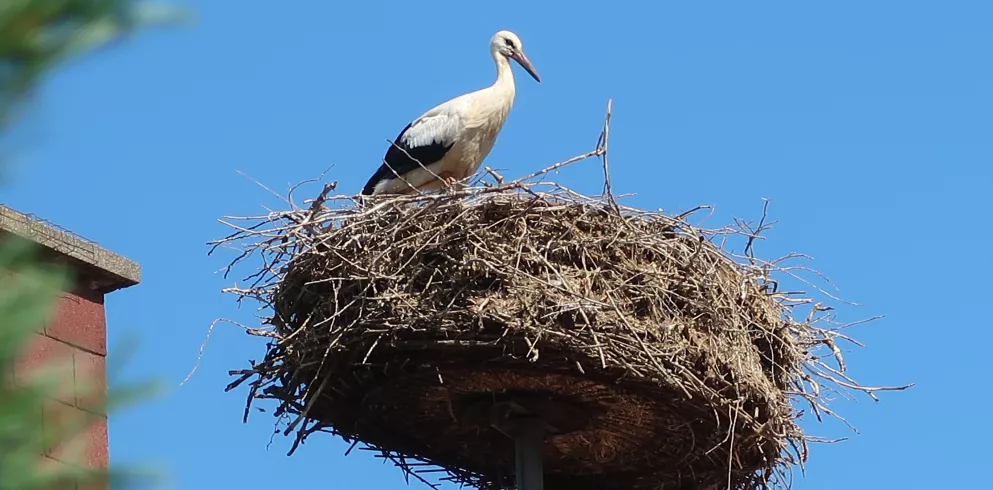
(453, 184)
(458, 185)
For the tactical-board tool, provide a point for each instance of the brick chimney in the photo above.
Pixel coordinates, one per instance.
(76, 332)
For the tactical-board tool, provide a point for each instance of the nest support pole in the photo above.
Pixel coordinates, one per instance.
(528, 433)
(528, 429)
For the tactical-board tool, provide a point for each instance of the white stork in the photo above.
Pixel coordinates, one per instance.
(446, 145)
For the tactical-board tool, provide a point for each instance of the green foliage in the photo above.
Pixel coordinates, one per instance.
(36, 35)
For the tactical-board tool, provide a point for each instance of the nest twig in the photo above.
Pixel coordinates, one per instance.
(393, 320)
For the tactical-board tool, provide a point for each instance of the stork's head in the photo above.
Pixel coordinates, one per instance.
(508, 45)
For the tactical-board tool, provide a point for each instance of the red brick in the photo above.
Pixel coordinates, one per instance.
(91, 381)
(99, 450)
(57, 416)
(79, 321)
(45, 352)
(87, 448)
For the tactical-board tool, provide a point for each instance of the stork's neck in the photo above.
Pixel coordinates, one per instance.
(505, 76)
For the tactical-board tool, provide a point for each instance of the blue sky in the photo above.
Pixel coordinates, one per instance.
(868, 124)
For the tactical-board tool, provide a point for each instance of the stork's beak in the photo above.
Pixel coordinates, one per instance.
(525, 63)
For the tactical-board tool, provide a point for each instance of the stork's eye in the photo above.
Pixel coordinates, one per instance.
(508, 42)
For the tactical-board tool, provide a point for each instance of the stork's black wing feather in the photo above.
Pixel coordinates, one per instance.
(405, 158)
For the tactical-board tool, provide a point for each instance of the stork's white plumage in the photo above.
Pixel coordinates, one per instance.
(448, 143)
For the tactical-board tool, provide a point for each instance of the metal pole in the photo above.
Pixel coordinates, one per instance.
(528, 437)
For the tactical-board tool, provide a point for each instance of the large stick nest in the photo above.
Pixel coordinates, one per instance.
(663, 360)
